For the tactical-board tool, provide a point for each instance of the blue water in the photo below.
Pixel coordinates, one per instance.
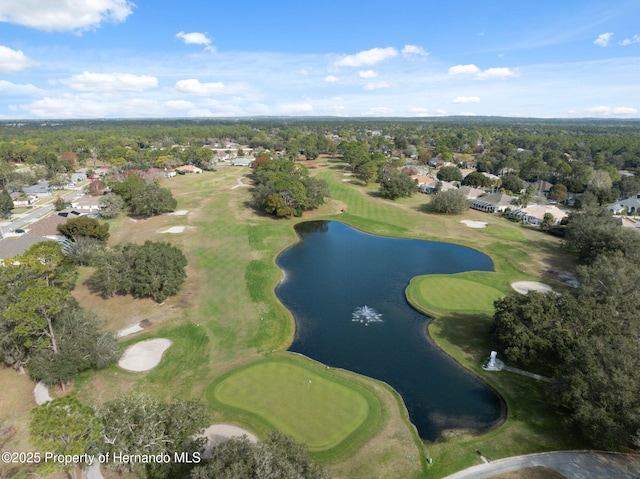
(335, 269)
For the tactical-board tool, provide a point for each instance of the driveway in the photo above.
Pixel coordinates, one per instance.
(571, 464)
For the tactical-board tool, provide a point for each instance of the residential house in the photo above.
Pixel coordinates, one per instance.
(494, 178)
(101, 171)
(631, 205)
(39, 190)
(492, 203)
(534, 214)
(76, 177)
(86, 203)
(14, 246)
(470, 192)
(48, 226)
(242, 161)
(188, 169)
(159, 173)
(432, 187)
(20, 199)
(422, 179)
(542, 187)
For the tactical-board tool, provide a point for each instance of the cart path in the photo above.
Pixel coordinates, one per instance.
(572, 464)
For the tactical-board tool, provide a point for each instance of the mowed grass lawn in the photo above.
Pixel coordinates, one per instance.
(304, 400)
(462, 292)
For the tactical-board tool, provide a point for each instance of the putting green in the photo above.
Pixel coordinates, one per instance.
(317, 409)
(448, 293)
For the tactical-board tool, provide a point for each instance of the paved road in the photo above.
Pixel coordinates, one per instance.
(36, 213)
(572, 464)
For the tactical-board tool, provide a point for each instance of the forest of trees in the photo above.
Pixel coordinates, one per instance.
(586, 338)
(42, 327)
(562, 152)
(284, 188)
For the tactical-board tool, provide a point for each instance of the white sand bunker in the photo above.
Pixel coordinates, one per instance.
(179, 212)
(144, 355)
(219, 433)
(174, 229)
(475, 224)
(523, 287)
(41, 393)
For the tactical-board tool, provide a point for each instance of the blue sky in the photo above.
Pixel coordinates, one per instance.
(405, 58)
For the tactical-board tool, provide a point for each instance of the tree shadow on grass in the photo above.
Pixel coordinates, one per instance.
(468, 332)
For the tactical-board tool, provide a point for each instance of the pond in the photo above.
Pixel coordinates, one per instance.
(334, 271)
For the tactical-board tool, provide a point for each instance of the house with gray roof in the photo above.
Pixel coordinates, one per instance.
(470, 192)
(492, 203)
(48, 226)
(40, 190)
(632, 205)
(432, 187)
(86, 203)
(14, 246)
(242, 161)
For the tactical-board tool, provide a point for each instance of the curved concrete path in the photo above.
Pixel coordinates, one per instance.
(571, 464)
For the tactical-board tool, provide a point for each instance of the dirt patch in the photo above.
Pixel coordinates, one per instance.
(144, 355)
(16, 401)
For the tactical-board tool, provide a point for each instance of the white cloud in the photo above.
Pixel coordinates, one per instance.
(64, 15)
(178, 105)
(488, 74)
(13, 89)
(414, 50)
(367, 57)
(604, 111)
(331, 79)
(195, 87)
(624, 110)
(88, 81)
(367, 74)
(377, 85)
(466, 99)
(630, 41)
(470, 69)
(196, 38)
(491, 73)
(14, 60)
(69, 106)
(603, 39)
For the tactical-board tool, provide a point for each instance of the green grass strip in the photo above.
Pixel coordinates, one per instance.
(308, 401)
(463, 292)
